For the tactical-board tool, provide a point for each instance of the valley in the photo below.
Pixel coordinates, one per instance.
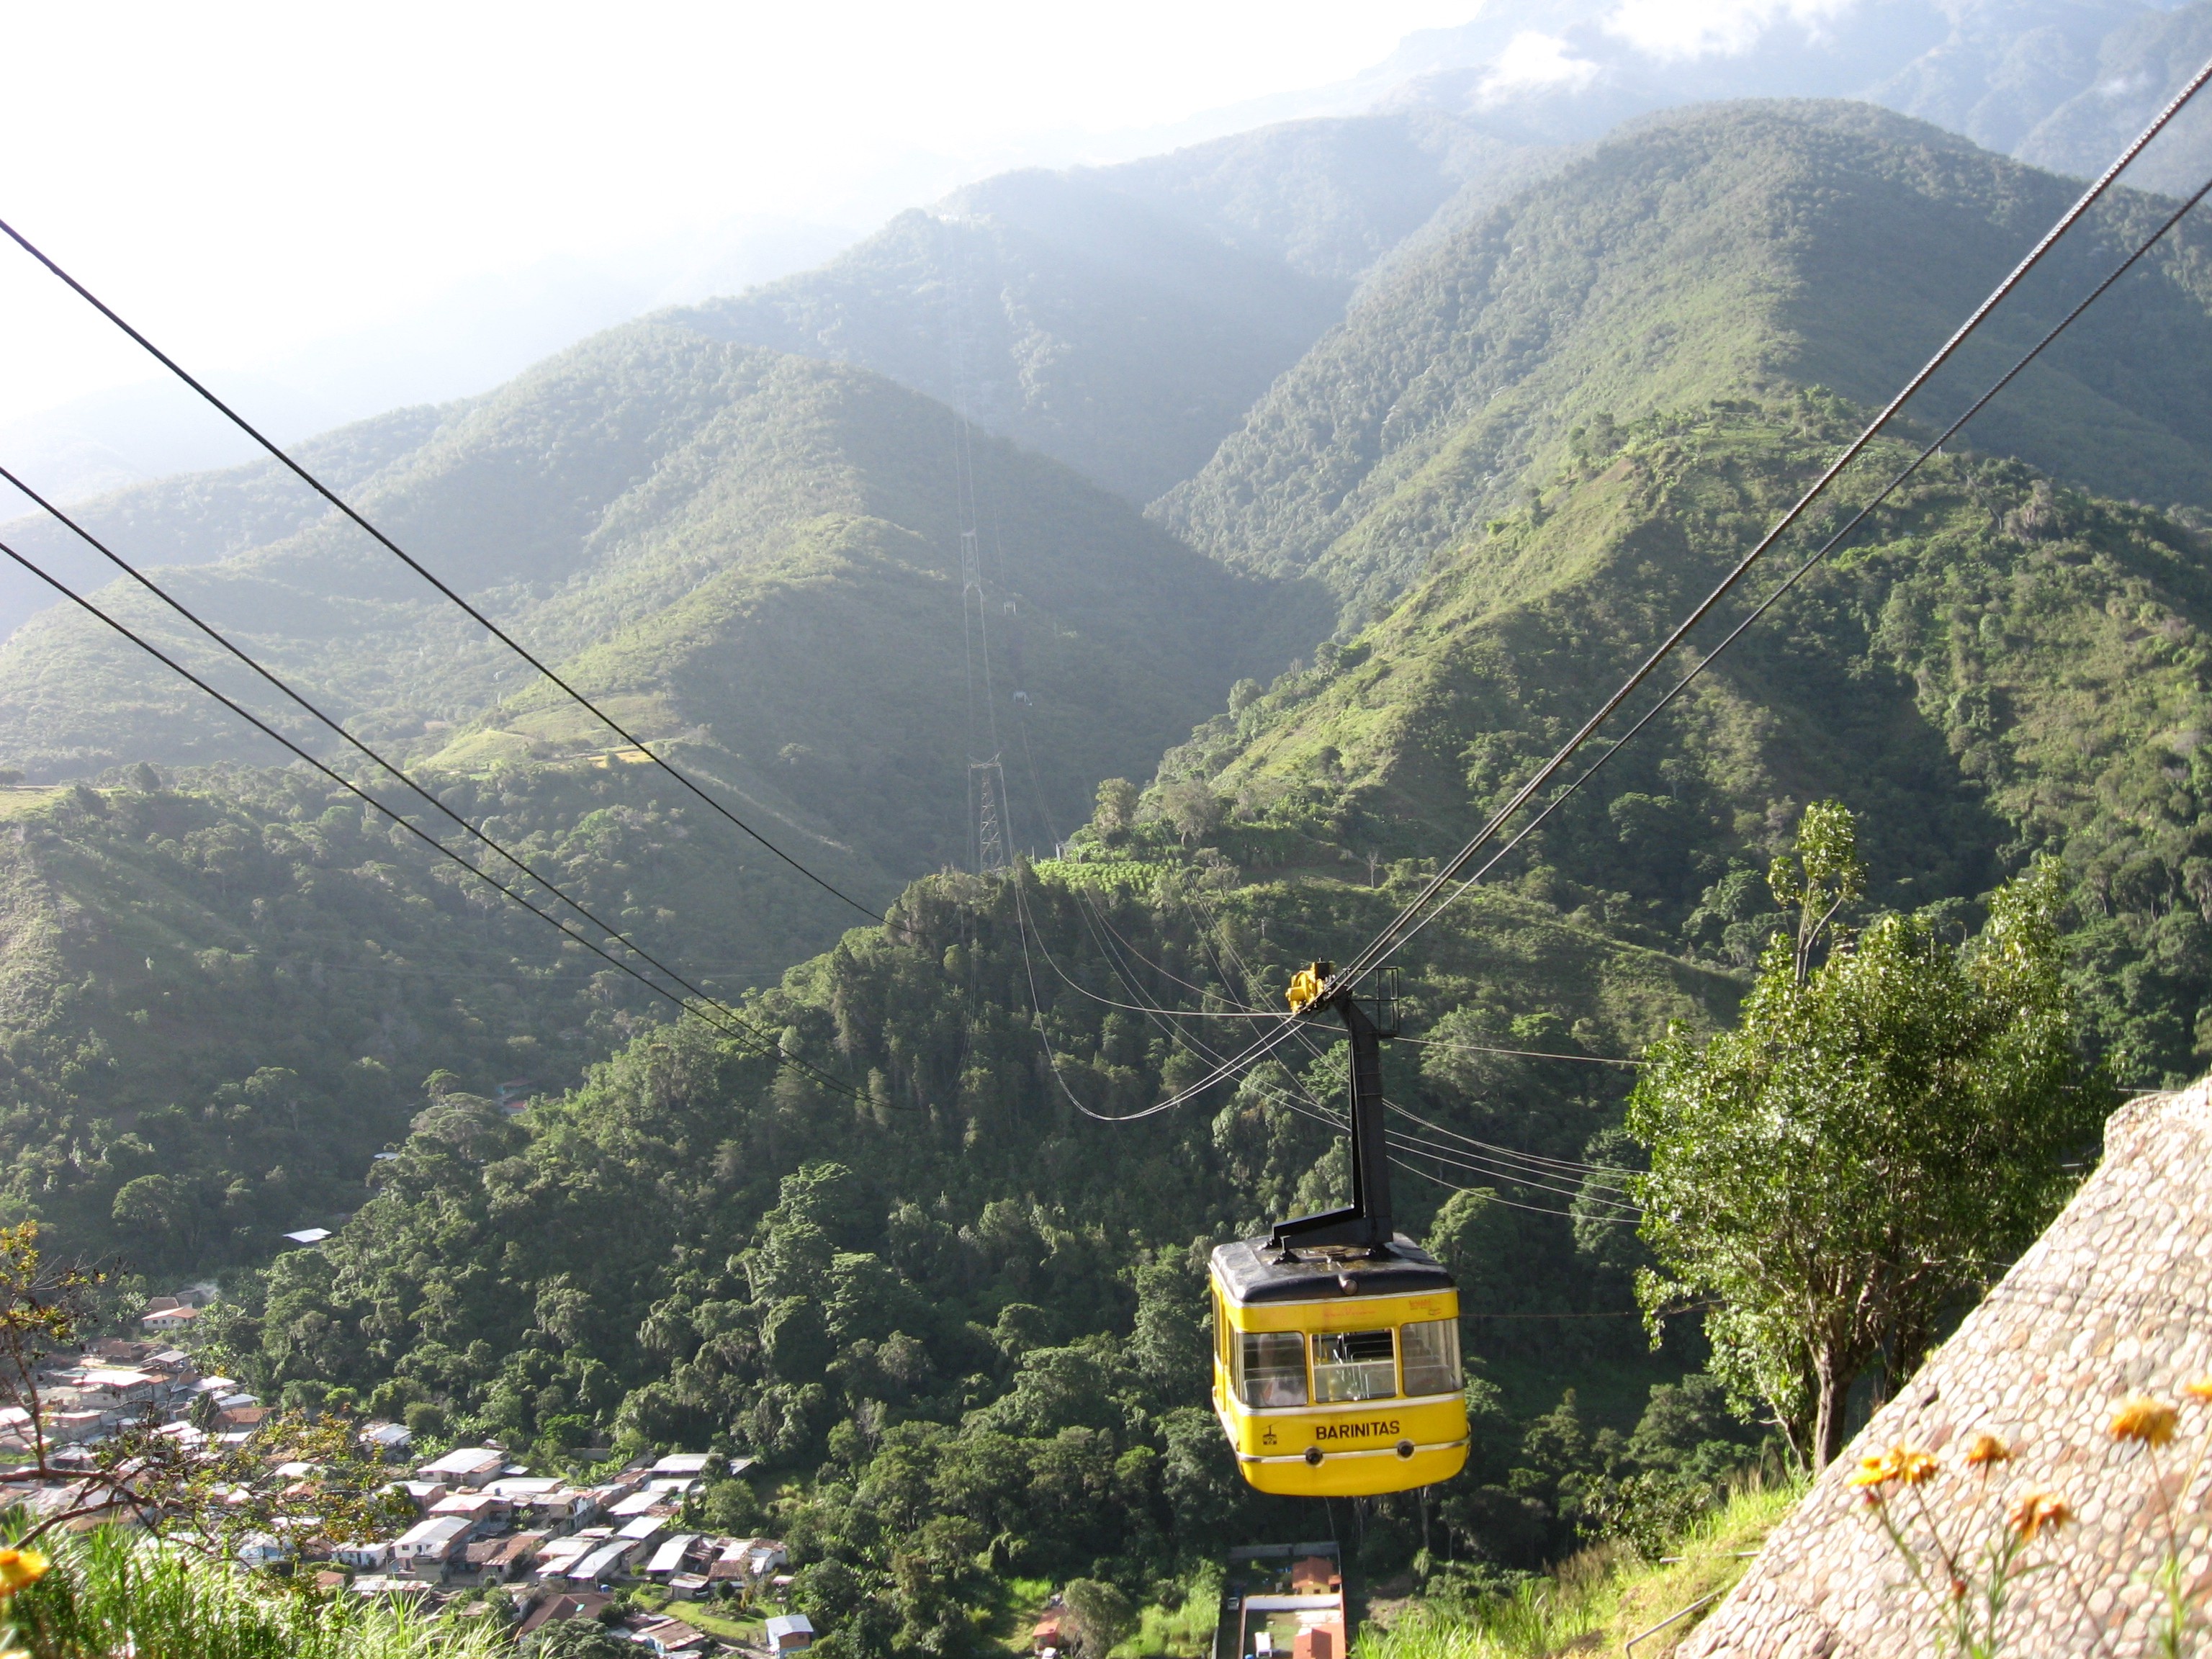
(1259, 517)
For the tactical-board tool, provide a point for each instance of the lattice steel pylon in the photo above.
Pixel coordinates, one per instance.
(987, 793)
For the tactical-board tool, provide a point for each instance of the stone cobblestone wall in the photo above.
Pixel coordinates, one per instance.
(2114, 1300)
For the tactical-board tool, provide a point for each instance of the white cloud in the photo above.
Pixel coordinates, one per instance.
(1534, 62)
(1706, 28)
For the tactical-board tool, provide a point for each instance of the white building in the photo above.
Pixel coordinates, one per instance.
(425, 1547)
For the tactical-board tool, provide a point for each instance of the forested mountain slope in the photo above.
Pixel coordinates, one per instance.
(220, 993)
(757, 553)
(1732, 248)
(198, 518)
(958, 1268)
(1122, 318)
(1995, 667)
(956, 1301)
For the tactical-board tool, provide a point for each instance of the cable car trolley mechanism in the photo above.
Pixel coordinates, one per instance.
(1336, 1362)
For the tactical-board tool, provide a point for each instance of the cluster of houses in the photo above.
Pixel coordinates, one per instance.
(85, 1397)
(484, 1520)
(564, 1550)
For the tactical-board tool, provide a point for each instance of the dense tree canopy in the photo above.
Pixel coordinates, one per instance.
(1881, 1134)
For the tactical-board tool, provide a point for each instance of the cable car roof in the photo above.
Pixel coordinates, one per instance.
(1248, 1270)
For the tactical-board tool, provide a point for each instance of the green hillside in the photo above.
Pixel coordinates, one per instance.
(1999, 666)
(958, 1268)
(1122, 320)
(220, 995)
(938, 1310)
(1706, 254)
(198, 518)
(752, 552)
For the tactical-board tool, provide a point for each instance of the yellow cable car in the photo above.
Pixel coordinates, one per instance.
(1336, 1363)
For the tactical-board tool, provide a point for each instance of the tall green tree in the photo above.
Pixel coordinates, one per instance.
(1885, 1128)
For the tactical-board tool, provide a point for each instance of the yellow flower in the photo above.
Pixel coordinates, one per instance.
(1985, 1449)
(1902, 1464)
(2151, 1421)
(1872, 1472)
(19, 1569)
(2036, 1510)
(2200, 1390)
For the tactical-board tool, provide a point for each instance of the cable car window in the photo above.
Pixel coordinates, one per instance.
(1354, 1365)
(1432, 1349)
(1271, 1368)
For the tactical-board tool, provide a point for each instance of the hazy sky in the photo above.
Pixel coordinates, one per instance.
(249, 180)
(245, 178)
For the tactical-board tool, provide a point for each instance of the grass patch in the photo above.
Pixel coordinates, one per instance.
(1597, 1602)
(730, 1626)
(113, 1592)
(1014, 1610)
(1181, 1632)
(24, 801)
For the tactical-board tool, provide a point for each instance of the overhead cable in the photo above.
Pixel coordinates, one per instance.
(1522, 1053)
(1559, 1166)
(475, 614)
(1492, 1197)
(1413, 1145)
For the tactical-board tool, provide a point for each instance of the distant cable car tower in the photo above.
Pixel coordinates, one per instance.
(987, 794)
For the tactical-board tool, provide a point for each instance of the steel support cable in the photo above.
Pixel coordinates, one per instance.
(1068, 980)
(1386, 939)
(1036, 1003)
(1522, 1053)
(1492, 1197)
(709, 1010)
(490, 627)
(1541, 1179)
(1559, 1166)
(1805, 568)
(1152, 1015)
(1412, 1145)
(1095, 920)
(1502, 1164)
(1508, 1163)
(1306, 1037)
(1025, 926)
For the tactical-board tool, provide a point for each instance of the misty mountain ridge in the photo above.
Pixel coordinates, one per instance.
(2059, 83)
(1700, 254)
(1121, 319)
(702, 533)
